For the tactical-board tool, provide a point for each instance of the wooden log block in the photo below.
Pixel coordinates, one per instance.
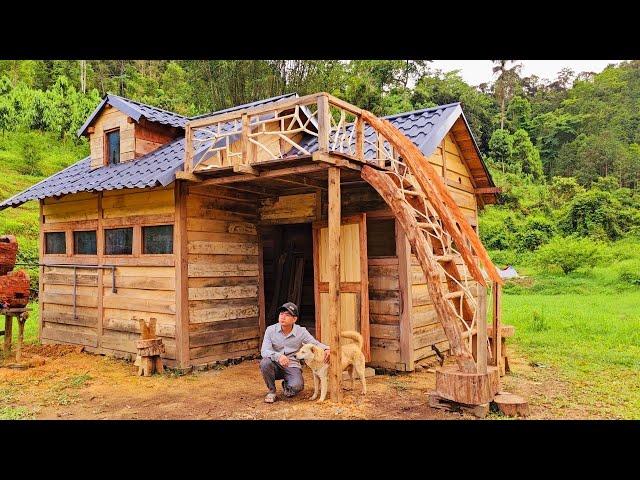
(512, 405)
(467, 388)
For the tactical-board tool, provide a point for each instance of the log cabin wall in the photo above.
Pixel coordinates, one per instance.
(145, 282)
(223, 253)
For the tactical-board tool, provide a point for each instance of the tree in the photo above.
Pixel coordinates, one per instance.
(525, 156)
(518, 113)
(505, 83)
(500, 147)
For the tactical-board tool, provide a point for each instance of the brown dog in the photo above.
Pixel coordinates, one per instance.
(352, 359)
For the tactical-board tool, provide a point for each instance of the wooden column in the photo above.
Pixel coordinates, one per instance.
(261, 304)
(324, 124)
(100, 272)
(403, 250)
(244, 141)
(41, 271)
(188, 149)
(181, 266)
(482, 329)
(8, 332)
(359, 138)
(496, 352)
(333, 267)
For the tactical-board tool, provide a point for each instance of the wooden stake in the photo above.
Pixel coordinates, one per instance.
(497, 324)
(333, 267)
(481, 337)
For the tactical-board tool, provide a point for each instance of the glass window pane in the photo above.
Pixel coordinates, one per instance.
(84, 243)
(55, 243)
(118, 241)
(157, 239)
(113, 146)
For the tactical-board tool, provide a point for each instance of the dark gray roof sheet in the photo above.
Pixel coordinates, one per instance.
(425, 128)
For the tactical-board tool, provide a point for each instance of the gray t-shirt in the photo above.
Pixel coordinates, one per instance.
(275, 343)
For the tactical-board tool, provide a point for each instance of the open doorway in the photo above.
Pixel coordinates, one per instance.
(288, 271)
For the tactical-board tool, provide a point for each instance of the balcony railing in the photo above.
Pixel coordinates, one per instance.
(289, 129)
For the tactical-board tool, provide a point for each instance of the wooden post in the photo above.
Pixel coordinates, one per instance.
(244, 141)
(481, 325)
(324, 124)
(21, 321)
(100, 272)
(41, 270)
(8, 327)
(403, 250)
(360, 138)
(333, 267)
(497, 324)
(181, 266)
(188, 148)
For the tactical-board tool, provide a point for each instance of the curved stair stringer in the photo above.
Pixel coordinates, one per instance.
(438, 232)
(402, 211)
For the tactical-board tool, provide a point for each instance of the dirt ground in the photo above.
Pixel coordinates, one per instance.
(64, 383)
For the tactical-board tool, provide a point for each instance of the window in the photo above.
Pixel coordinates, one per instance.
(113, 146)
(157, 239)
(118, 241)
(381, 237)
(55, 243)
(84, 243)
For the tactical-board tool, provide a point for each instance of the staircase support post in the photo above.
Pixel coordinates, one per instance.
(333, 267)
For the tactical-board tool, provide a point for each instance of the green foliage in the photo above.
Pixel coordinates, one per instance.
(500, 147)
(538, 323)
(563, 189)
(569, 254)
(30, 160)
(518, 113)
(525, 157)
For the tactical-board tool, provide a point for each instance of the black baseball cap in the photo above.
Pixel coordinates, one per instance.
(290, 307)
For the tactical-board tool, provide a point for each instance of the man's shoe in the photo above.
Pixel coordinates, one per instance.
(270, 398)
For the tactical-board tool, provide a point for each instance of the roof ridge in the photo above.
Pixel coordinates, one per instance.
(437, 107)
(146, 105)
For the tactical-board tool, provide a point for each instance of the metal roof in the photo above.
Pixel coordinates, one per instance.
(425, 128)
(136, 110)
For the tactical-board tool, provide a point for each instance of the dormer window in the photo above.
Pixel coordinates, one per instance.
(112, 141)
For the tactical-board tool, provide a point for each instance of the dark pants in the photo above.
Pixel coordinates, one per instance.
(272, 371)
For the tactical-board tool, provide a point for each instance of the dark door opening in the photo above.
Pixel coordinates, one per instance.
(288, 271)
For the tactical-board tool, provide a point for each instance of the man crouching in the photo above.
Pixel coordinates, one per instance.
(281, 341)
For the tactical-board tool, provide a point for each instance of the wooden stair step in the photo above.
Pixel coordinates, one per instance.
(456, 294)
(444, 258)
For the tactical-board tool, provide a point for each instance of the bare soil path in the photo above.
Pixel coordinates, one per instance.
(72, 385)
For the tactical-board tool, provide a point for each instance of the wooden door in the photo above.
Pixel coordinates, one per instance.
(354, 279)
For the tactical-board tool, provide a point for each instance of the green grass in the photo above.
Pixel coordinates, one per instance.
(593, 341)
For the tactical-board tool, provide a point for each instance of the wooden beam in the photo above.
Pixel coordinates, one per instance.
(333, 269)
(307, 182)
(405, 215)
(188, 176)
(266, 174)
(360, 138)
(224, 117)
(248, 169)
(481, 337)
(481, 190)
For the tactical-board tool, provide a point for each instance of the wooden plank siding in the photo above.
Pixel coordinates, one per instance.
(222, 274)
(104, 320)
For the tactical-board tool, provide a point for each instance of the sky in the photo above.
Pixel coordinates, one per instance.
(475, 72)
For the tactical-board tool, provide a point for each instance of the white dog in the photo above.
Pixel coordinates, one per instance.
(352, 358)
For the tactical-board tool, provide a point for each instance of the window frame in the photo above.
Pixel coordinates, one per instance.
(73, 237)
(173, 249)
(133, 242)
(107, 159)
(63, 254)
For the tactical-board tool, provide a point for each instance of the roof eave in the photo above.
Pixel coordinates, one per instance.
(116, 102)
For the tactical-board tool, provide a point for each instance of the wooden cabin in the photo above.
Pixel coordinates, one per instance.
(208, 223)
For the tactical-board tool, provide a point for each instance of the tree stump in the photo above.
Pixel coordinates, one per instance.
(149, 349)
(467, 388)
(512, 405)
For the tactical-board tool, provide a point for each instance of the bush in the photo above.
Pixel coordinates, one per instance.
(538, 323)
(535, 231)
(30, 160)
(569, 254)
